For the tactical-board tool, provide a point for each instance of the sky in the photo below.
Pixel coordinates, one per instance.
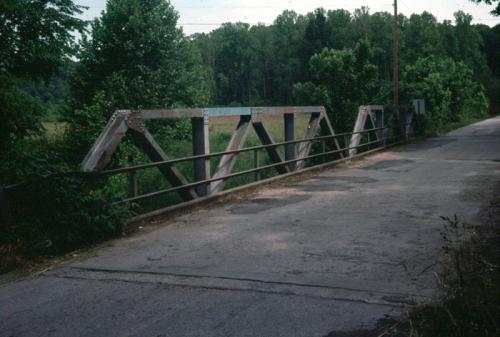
(206, 15)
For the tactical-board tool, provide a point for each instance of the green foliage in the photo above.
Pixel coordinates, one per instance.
(35, 37)
(135, 57)
(261, 65)
(52, 215)
(19, 111)
(342, 80)
(448, 88)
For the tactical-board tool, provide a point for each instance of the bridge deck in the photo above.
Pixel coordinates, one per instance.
(337, 252)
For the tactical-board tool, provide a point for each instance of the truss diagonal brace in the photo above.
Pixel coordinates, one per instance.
(365, 116)
(147, 143)
(305, 147)
(227, 161)
(126, 121)
(327, 130)
(266, 139)
(105, 145)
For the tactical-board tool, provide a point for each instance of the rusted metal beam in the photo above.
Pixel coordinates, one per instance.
(148, 144)
(227, 161)
(305, 147)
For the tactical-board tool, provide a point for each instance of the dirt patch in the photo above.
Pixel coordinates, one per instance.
(385, 164)
(259, 205)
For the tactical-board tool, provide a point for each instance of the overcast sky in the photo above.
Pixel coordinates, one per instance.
(206, 15)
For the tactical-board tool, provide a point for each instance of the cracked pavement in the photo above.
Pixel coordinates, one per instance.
(338, 253)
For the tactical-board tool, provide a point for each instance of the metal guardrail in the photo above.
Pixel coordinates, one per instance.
(257, 168)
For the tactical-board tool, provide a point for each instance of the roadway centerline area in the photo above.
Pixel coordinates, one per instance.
(344, 250)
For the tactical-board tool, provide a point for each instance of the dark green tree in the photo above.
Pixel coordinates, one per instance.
(135, 57)
(342, 80)
(35, 38)
(317, 35)
(232, 66)
(288, 29)
(448, 87)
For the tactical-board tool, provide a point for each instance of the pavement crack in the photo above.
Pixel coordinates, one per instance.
(221, 288)
(308, 285)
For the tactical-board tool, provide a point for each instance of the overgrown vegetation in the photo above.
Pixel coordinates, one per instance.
(134, 56)
(470, 306)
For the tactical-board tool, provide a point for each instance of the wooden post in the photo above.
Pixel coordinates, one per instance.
(201, 145)
(289, 120)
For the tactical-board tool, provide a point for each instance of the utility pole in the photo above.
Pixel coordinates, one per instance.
(395, 59)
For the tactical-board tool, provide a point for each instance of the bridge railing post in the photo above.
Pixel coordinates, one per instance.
(256, 164)
(323, 150)
(132, 184)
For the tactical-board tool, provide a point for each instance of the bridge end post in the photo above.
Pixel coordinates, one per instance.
(201, 146)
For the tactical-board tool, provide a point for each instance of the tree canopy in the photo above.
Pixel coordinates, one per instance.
(35, 38)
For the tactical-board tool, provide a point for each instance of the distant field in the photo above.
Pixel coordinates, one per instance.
(54, 128)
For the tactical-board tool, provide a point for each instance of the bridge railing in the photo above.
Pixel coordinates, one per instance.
(371, 139)
(256, 162)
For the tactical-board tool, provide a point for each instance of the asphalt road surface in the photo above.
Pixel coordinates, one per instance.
(335, 255)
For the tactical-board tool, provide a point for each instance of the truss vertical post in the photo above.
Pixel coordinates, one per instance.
(289, 120)
(201, 146)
